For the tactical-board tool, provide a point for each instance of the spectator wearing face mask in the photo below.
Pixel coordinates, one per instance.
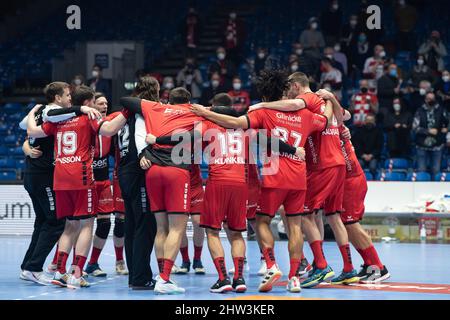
(388, 87)
(350, 32)
(340, 57)
(212, 89)
(98, 83)
(417, 96)
(368, 143)
(305, 63)
(312, 39)
(406, 20)
(77, 81)
(224, 67)
(190, 78)
(430, 125)
(363, 103)
(167, 85)
(332, 76)
(362, 52)
(420, 72)
(260, 60)
(443, 90)
(240, 97)
(398, 128)
(434, 51)
(373, 64)
(331, 22)
(328, 52)
(234, 37)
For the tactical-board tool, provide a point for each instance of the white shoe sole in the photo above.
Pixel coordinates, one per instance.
(268, 285)
(379, 280)
(223, 289)
(37, 281)
(294, 290)
(241, 288)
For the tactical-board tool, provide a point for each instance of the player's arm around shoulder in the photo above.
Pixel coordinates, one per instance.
(220, 119)
(281, 105)
(111, 125)
(33, 130)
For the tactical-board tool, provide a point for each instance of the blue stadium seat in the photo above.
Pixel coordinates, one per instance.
(396, 163)
(392, 176)
(17, 151)
(10, 139)
(418, 176)
(369, 175)
(7, 163)
(443, 176)
(3, 150)
(20, 163)
(8, 175)
(11, 108)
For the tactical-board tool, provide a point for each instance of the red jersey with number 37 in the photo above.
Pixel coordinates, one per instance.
(74, 152)
(351, 160)
(323, 149)
(293, 128)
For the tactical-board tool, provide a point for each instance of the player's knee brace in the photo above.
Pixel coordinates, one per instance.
(103, 227)
(119, 227)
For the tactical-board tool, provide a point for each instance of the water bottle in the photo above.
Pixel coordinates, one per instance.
(423, 233)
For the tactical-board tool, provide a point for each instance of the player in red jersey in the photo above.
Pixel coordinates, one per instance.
(74, 184)
(105, 204)
(284, 178)
(373, 271)
(326, 176)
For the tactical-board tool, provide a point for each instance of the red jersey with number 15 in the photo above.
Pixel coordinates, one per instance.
(293, 128)
(74, 152)
(323, 149)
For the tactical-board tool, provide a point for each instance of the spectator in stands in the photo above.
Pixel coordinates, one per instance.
(332, 76)
(340, 57)
(431, 126)
(420, 72)
(225, 67)
(192, 29)
(77, 81)
(234, 37)
(363, 103)
(373, 67)
(331, 22)
(167, 85)
(214, 88)
(388, 87)
(260, 60)
(398, 128)
(190, 78)
(417, 97)
(362, 51)
(368, 142)
(98, 84)
(405, 19)
(443, 90)
(329, 53)
(434, 51)
(241, 98)
(306, 64)
(312, 39)
(349, 40)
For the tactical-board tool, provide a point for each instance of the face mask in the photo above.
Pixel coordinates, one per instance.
(401, 2)
(446, 78)
(314, 25)
(420, 62)
(362, 39)
(168, 85)
(95, 73)
(337, 48)
(237, 86)
(77, 82)
(422, 91)
(221, 56)
(382, 54)
(299, 52)
(261, 55)
(329, 56)
(393, 73)
(215, 83)
(294, 68)
(233, 16)
(397, 107)
(364, 90)
(353, 23)
(335, 6)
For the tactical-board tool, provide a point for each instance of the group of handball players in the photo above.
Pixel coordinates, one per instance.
(309, 173)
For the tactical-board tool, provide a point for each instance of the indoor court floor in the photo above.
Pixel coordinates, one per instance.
(418, 271)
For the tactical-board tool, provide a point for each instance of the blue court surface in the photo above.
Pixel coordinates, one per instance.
(418, 271)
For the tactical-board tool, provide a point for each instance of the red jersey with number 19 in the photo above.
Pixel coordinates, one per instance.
(74, 152)
(293, 128)
(323, 148)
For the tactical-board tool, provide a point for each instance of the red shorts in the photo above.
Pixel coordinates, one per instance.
(254, 192)
(225, 201)
(326, 190)
(76, 204)
(272, 199)
(105, 204)
(117, 197)
(354, 194)
(197, 195)
(168, 189)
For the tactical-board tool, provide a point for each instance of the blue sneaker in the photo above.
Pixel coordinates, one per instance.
(346, 278)
(184, 268)
(317, 276)
(198, 267)
(94, 270)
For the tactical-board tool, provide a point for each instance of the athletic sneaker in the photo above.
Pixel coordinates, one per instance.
(362, 275)
(198, 267)
(167, 287)
(222, 286)
(305, 267)
(293, 285)
(148, 286)
(175, 269)
(272, 275)
(84, 283)
(376, 275)
(37, 277)
(22, 276)
(121, 269)
(317, 276)
(346, 278)
(239, 285)
(51, 268)
(77, 283)
(95, 271)
(60, 279)
(71, 270)
(262, 268)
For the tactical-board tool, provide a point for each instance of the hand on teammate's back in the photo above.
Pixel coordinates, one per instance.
(325, 94)
(300, 153)
(255, 107)
(150, 139)
(91, 112)
(35, 153)
(145, 163)
(198, 109)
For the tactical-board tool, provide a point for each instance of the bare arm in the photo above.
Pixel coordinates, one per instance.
(111, 128)
(30, 151)
(281, 105)
(221, 119)
(336, 106)
(33, 130)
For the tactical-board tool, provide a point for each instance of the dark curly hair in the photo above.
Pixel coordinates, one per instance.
(271, 84)
(147, 88)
